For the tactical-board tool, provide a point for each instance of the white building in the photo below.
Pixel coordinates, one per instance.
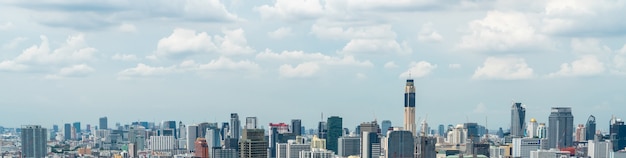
(523, 146)
(531, 130)
(317, 153)
(542, 131)
(191, 137)
(458, 135)
(161, 143)
(553, 153)
(599, 149)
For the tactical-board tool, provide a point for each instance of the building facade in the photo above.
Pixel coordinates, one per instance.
(400, 144)
(335, 130)
(33, 139)
(518, 114)
(409, 107)
(560, 127)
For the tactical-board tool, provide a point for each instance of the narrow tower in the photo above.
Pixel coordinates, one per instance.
(409, 107)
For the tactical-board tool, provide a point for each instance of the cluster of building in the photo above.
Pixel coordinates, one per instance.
(172, 139)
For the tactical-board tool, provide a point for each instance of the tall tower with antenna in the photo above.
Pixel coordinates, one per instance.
(409, 106)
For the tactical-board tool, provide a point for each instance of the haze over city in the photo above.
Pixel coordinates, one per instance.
(197, 61)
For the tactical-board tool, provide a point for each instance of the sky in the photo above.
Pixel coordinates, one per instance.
(200, 60)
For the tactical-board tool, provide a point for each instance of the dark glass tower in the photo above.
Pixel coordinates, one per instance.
(322, 130)
(385, 125)
(591, 128)
(33, 138)
(67, 131)
(335, 130)
(104, 123)
(235, 126)
(296, 127)
(400, 144)
(518, 114)
(560, 127)
(618, 134)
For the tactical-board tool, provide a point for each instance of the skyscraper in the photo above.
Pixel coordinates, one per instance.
(67, 131)
(322, 130)
(400, 144)
(518, 114)
(441, 131)
(370, 144)
(253, 144)
(580, 135)
(296, 127)
(349, 145)
(251, 123)
(409, 107)
(531, 130)
(104, 124)
(168, 128)
(33, 138)
(192, 134)
(542, 131)
(235, 126)
(76, 126)
(384, 127)
(617, 134)
(335, 130)
(560, 127)
(202, 148)
(591, 128)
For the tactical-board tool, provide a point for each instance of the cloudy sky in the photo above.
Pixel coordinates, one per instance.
(196, 61)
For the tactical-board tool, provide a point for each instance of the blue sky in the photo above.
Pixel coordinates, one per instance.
(194, 61)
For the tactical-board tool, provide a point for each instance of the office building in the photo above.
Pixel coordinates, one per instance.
(33, 139)
(369, 127)
(291, 149)
(317, 153)
(599, 149)
(560, 127)
(201, 148)
(580, 135)
(542, 131)
(296, 127)
(168, 128)
(348, 146)
(192, 134)
(223, 153)
(552, 153)
(251, 123)
(137, 136)
(409, 107)
(318, 143)
(385, 126)
(103, 123)
(523, 146)
(322, 130)
(591, 128)
(400, 144)
(253, 144)
(472, 132)
(518, 114)
(441, 131)
(425, 147)
(335, 130)
(235, 126)
(277, 135)
(67, 130)
(162, 143)
(458, 135)
(213, 137)
(531, 129)
(617, 134)
(370, 144)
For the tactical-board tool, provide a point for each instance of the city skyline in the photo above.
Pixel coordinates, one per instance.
(66, 62)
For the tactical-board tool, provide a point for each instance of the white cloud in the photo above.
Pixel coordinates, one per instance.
(585, 66)
(74, 71)
(376, 46)
(292, 10)
(12, 66)
(480, 108)
(454, 66)
(377, 39)
(361, 76)
(280, 33)
(503, 32)
(74, 50)
(428, 34)
(125, 57)
(127, 28)
(143, 70)
(303, 70)
(14, 43)
(185, 42)
(418, 70)
(619, 61)
(222, 64)
(6, 26)
(300, 56)
(505, 68)
(589, 46)
(390, 65)
(584, 18)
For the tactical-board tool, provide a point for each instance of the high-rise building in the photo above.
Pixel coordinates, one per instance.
(67, 130)
(384, 127)
(318, 143)
(335, 130)
(579, 135)
(76, 126)
(560, 127)
(162, 143)
(168, 128)
(458, 135)
(251, 123)
(400, 144)
(441, 131)
(253, 144)
(33, 138)
(296, 127)
(542, 131)
(104, 123)
(599, 149)
(202, 149)
(322, 130)
(591, 128)
(235, 126)
(192, 134)
(409, 107)
(369, 127)
(277, 134)
(617, 134)
(370, 144)
(523, 146)
(137, 136)
(348, 146)
(213, 137)
(531, 129)
(294, 149)
(518, 114)
(425, 147)
(472, 132)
